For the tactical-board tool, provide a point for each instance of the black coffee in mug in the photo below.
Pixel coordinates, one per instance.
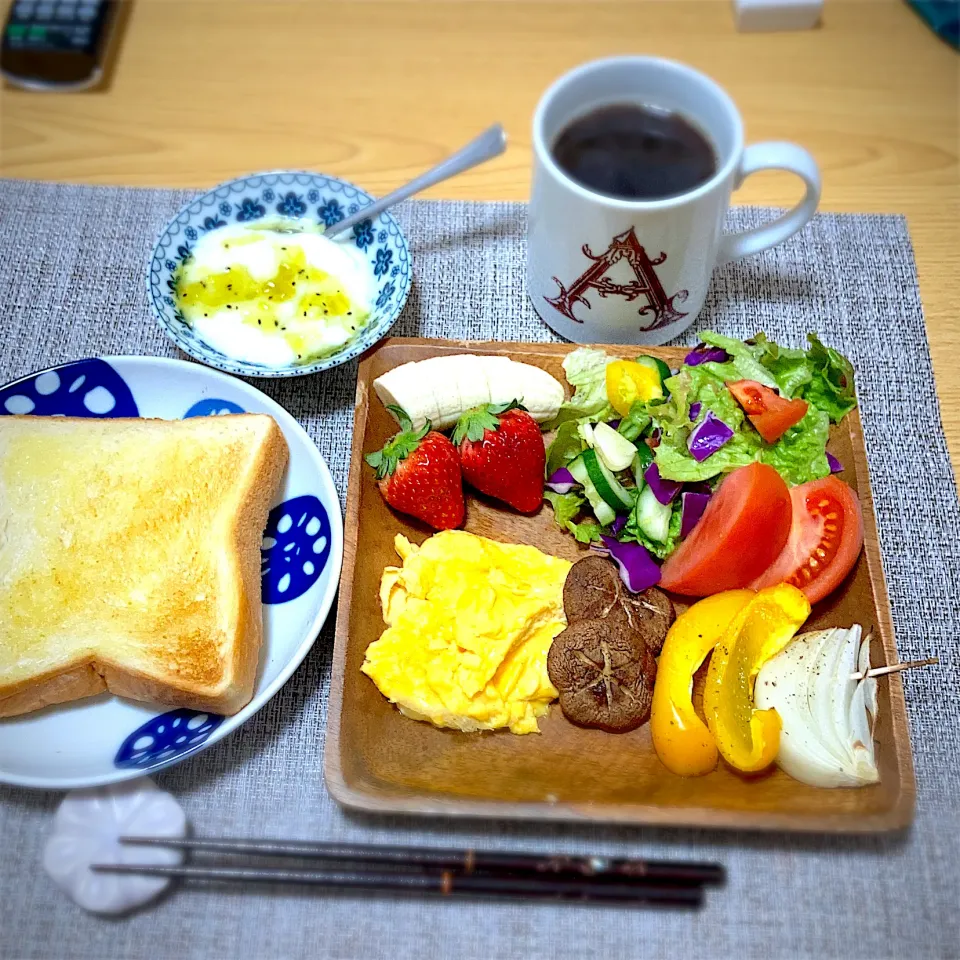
(635, 152)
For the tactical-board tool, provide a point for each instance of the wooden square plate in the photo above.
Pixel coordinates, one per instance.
(378, 760)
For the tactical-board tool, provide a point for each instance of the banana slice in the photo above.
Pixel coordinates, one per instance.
(502, 383)
(441, 378)
(474, 388)
(405, 388)
(541, 393)
(441, 389)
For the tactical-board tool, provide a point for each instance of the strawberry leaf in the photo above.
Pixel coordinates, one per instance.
(402, 416)
(474, 423)
(398, 447)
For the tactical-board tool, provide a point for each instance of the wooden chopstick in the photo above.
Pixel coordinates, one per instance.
(447, 883)
(465, 862)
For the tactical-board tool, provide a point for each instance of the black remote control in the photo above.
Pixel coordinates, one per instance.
(56, 44)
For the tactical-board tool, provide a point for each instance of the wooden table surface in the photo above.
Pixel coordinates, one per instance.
(204, 90)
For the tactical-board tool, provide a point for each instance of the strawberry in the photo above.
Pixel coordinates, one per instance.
(502, 454)
(418, 472)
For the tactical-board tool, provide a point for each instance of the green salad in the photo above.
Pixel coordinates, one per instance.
(638, 449)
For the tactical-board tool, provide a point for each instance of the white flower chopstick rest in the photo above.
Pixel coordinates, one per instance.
(86, 829)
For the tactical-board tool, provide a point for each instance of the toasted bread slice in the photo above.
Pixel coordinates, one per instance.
(130, 558)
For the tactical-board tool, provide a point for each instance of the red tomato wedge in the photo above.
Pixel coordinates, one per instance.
(825, 539)
(770, 413)
(742, 531)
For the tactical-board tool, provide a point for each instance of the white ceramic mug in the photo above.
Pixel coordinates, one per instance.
(607, 270)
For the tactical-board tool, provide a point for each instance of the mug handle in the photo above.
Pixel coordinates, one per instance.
(775, 155)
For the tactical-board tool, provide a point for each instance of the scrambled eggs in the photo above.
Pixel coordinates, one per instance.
(469, 624)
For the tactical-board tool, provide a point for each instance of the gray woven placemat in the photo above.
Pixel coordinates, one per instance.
(71, 266)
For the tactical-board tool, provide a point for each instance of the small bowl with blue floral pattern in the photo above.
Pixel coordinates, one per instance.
(293, 195)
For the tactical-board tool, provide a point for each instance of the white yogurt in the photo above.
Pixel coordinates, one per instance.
(277, 298)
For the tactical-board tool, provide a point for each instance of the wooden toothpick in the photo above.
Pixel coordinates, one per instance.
(894, 668)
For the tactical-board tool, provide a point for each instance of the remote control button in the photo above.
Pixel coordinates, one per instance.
(88, 12)
(37, 33)
(80, 36)
(44, 11)
(16, 33)
(66, 11)
(24, 10)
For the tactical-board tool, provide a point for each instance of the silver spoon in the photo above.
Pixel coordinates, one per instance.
(491, 143)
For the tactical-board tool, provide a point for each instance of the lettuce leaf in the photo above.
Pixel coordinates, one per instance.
(788, 366)
(744, 359)
(677, 464)
(800, 454)
(586, 372)
(566, 508)
(831, 387)
(702, 385)
(586, 531)
(635, 422)
(631, 533)
(566, 444)
(820, 375)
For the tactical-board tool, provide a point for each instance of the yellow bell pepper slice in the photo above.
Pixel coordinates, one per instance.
(628, 382)
(683, 742)
(748, 739)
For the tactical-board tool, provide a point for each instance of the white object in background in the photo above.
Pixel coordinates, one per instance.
(772, 15)
(86, 829)
(602, 269)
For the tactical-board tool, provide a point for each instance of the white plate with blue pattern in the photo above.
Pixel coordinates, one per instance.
(282, 193)
(105, 739)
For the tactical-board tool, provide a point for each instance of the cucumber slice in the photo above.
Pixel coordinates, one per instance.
(604, 513)
(602, 510)
(653, 517)
(662, 370)
(644, 455)
(638, 466)
(578, 470)
(615, 452)
(599, 484)
(606, 484)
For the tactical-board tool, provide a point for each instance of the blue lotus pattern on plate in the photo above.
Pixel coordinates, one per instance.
(331, 212)
(249, 210)
(249, 199)
(385, 294)
(363, 234)
(382, 261)
(164, 737)
(291, 205)
(212, 407)
(296, 547)
(84, 388)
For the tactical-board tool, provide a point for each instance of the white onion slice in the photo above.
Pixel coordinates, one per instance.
(826, 735)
